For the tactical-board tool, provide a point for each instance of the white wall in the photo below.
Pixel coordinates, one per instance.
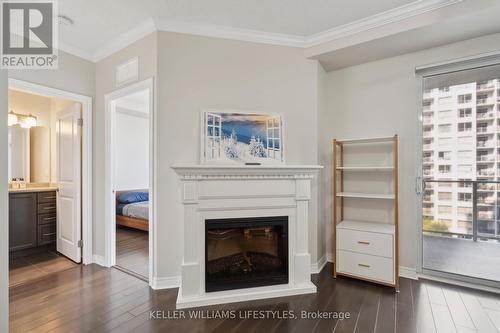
(4, 209)
(382, 98)
(195, 73)
(132, 150)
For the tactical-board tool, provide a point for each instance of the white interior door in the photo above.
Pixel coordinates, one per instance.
(68, 136)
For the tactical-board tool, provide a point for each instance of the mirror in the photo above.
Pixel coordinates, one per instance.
(29, 154)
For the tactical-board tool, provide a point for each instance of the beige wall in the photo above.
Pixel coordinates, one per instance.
(378, 99)
(4, 214)
(146, 50)
(74, 74)
(195, 73)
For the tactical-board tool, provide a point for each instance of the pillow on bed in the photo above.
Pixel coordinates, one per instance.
(131, 197)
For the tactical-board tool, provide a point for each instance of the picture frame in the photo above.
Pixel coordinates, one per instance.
(236, 137)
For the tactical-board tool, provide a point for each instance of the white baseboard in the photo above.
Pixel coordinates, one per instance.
(408, 272)
(99, 260)
(166, 282)
(318, 266)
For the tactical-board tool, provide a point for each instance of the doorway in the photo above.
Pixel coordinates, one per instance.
(460, 233)
(49, 181)
(129, 179)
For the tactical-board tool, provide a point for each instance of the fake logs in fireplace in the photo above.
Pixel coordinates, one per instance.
(246, 253)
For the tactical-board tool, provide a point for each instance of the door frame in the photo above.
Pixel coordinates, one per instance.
(109, 197)
(438, 69)
(86, 180)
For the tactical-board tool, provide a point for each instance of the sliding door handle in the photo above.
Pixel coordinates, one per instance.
(419, 185)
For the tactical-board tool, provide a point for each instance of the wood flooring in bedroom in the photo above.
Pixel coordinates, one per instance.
(132, 250)
(96, 299)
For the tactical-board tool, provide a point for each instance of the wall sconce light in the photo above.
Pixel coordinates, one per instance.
(12, 118)
(21, 120)
(30, 121)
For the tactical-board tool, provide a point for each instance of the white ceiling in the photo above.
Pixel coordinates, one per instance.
(475, 19)
(322, 27)
(98, 22)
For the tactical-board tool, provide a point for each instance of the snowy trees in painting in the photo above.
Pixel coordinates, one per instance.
(256, 147)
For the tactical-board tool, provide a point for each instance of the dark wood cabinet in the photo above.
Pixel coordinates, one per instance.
(22, 221)
(46, 234)
(32, 219)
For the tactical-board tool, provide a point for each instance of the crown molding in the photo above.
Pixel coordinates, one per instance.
(125, 39)
(369, 23)
(378, 20)
(225, 32)
(76, 51)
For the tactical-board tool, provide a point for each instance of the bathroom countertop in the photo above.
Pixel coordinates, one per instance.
(34, 188)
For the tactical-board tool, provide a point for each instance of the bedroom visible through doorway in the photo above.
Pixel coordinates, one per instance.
(129, 144)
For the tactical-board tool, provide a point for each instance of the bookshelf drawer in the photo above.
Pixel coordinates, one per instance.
(366, 266)
(365, 242)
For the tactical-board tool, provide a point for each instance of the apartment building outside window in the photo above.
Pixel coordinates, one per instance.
(444, 168)
(462, 144)
(465, 197)
(464, 99)
(464, 127)
(465, 113)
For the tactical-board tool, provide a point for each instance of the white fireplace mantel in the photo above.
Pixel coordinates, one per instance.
(227, 191)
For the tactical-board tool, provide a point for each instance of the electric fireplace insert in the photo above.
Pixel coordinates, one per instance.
(246, 252)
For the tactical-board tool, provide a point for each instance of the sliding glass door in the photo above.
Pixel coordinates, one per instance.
(461, 173)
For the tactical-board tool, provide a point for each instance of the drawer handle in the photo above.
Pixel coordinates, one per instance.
(50, 234)
(49, 218)
(49, 208)
(364, 265)
(51, 198)
(364, 242)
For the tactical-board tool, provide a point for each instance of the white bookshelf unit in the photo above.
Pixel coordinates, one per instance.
(366, 249)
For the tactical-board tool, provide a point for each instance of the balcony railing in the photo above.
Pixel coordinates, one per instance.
(484, 115)
(486, 187)
(427, 159)
(482, 210)
(486, 158)
(486, 86)
(485, 143)
(428, 172)
(428, 134)
(486, 172)
(486, 200)
(428, 211)
(488, 129)
(485, 101)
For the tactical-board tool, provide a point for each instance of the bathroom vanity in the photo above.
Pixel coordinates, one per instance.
(32, 217)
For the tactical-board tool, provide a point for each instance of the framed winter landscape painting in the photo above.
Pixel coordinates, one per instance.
(242, 138)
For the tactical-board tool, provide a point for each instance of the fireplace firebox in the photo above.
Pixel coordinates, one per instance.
(245, 252)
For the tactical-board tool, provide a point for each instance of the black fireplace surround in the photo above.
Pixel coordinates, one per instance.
(246, 252)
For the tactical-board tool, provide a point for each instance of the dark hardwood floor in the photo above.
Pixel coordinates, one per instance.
(132, 250)
(95, 299)
(31, 265)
